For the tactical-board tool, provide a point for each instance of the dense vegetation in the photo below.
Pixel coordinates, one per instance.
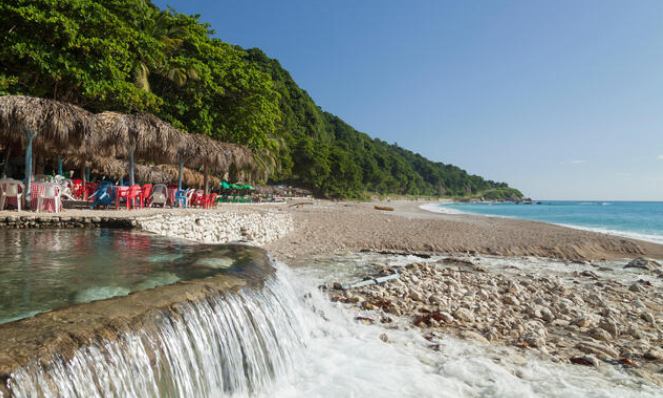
(128, 55)
(501, 194)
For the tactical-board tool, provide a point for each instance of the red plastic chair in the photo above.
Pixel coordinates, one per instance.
(131, 194)
(198, 199)
(89, 189)
(146, 191)
(121, 193)
(77, 191)
(211, 200)
(135, 196)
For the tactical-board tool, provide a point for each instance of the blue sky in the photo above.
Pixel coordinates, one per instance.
(562, 99)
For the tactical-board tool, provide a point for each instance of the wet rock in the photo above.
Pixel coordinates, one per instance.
(644, 263)
(469, 335)
(636, 288)
(654, 354)
(511, 300)
(648, 317)
(446, 317)
(384, 337)
(598, 349)
(609, 326)
(600, 334)
(546, 314)
(586, 360)
(464, 315)
(533, 339)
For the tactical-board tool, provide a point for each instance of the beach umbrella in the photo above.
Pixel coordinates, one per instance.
(57, 125)
(225, 185)
(218, 156)
(143, 135)
(187, 176)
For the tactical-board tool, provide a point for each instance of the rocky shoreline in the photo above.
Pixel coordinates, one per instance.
(587, 319)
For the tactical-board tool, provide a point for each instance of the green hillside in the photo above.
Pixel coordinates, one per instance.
(127, 55)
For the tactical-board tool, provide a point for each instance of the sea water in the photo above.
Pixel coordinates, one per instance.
(638, 220)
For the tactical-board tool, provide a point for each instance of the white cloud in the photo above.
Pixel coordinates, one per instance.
(660, 157)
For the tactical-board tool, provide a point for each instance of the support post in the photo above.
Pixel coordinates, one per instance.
(7, 158)
(206, 179)
(131, 167)
(179, 177)
(28, 167)
(60, 165)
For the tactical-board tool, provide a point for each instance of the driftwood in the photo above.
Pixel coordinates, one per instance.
(383, 208)
(373, 281)
(300, 205)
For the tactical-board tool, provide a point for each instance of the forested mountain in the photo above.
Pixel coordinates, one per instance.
(128, 55)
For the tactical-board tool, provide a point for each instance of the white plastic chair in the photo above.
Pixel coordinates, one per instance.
(49, 191)
(10, 189)
(67, 188)
(41, 178)
(189, 197)
(159, 195)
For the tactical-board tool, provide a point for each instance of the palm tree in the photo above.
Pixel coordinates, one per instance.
(159, 26)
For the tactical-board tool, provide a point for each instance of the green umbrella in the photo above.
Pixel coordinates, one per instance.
(225, 185)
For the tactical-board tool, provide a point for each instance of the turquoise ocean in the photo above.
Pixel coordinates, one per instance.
(638, 220)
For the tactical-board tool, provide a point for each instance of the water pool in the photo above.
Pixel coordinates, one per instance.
(41, 270)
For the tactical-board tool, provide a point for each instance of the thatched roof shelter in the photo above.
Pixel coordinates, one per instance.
(53, 124)
(60, 123)
(116, 168)
(218, 155)
(148, 136)
(143, 135)
(190, 177)
(208, 153)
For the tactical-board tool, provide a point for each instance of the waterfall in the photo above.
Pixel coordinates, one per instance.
(234, 344)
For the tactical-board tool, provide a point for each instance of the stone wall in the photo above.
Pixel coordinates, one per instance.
(215, 227)
(25, 222)
(258, 227)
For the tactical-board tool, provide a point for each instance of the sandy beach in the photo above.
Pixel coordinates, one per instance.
(326, 227)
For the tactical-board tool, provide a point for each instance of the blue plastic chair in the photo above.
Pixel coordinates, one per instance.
(105, 195)
(180, 198)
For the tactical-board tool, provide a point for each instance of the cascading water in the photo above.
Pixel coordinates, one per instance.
(231, 345)
(287, 340)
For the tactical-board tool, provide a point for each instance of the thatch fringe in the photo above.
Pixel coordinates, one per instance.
(61, 124)
(190, 177)
(61, 127)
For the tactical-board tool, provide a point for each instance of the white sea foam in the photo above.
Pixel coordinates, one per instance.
(441, 209)
(623, 234)
(437, 208)
(348, 359)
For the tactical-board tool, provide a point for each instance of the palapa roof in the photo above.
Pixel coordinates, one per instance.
(150, 137)
(217, 155)
(189, 177)
(62, 127)
(56, 125)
